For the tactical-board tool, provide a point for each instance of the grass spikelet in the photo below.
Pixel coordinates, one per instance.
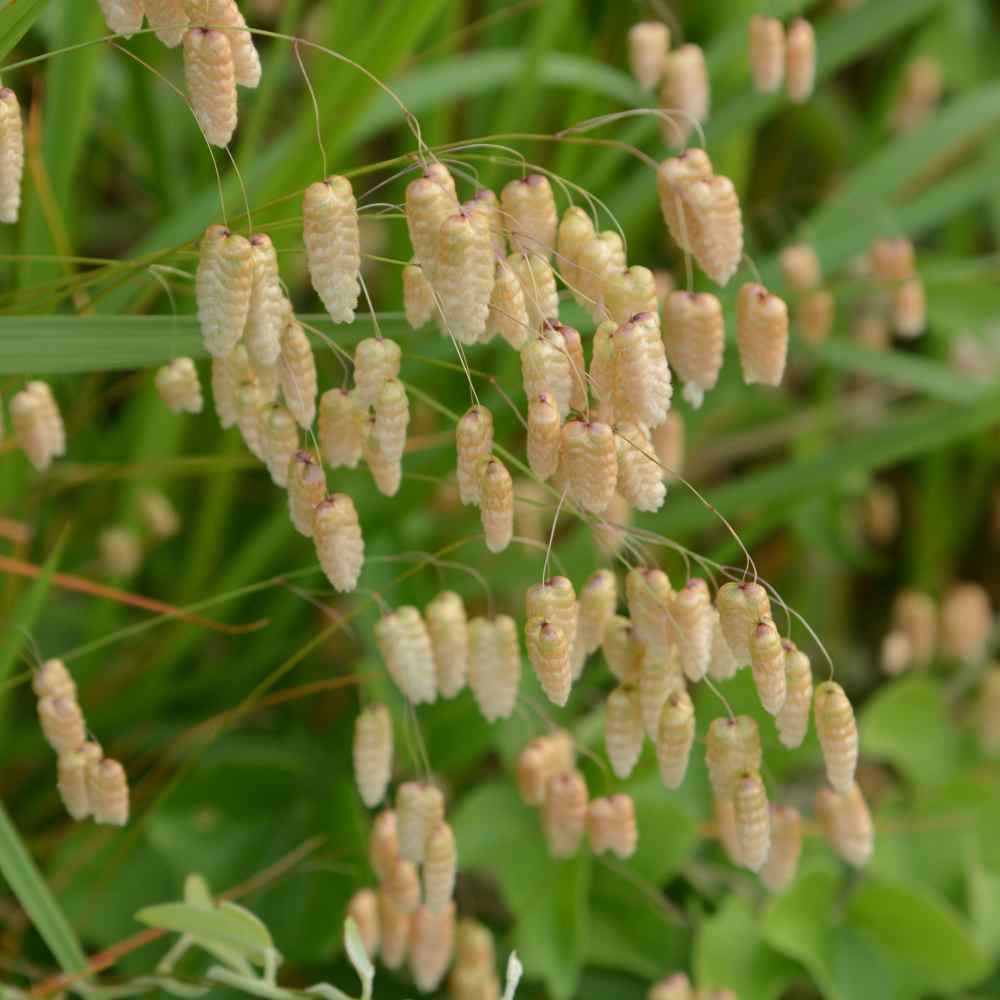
(496, 503)
(800, 267)
(847, 823)
(915, 614)
(72, 779)
(719, 246)
(590, 462)
(429, 201)
(544, 435)
(909, 309)
(966, 622)
(695, 339)
(576, 230)
(339, 545)
(673, 180)
(623, 731)
(249, 417)
(648, 45)
(782, 863)
(508, 313)
(341, 421)
(449, 631)
(545, 369)
(440, 864)
(629, 292)
(494, 665)
(541, 759)
(741, 606)
(611, 825)
(686, 91)
(418, 296)
(838, 734)
(642, 385)
(298, 373)
(486, 204)
(279, 441)
(246, 61)
(792, 721)
(538, 287)
(123, 17)
(732, 747)
(107, 791)
(554, 600)
(362, 908)
(753, 820)
(767, 53)
(649, 597)
(372, 753)
(815, 315)
(37, 424)
(722, 664)
(403, 886)
(692, 617)
(383, 844)
(724, 811)
(767, 661)
(11, 155)
(800, 60)
(598, 599)
(394, 928)
(402, 639)
(601, 257)
(268, 307)
(463, 276)
(473, 444)
(333, 245)
(375, 361)
(529, 215)
(53, 680)
(234, 273)
(622, 649)
(658, 678)
(419, 809)
(209, 73)
(549, 654)
(564, 814)
(432, 938)
(675, 737)
(207, 290)
(392, 417)
(178, 386)
(168, 19)
(668, 445)
(62, 723)
(569, 341)
(121, 551)
(306, 488)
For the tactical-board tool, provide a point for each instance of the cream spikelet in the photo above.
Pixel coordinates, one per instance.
(306, 488)
(642, 386)
(392, 417)
(53, 680)
(372, 753)
(494, 665)
(909, 309)
(966, 622)
(895, 653)
(767, 53)
(529, 214)
(767, 661)
(649, 597)
(719, 245)
(474, 976)
(568, 339)
(732, 747)
(623, 730)
(375, 360)
(339, 545)
(722, 664)
(206, 287)
(544, 435)
(629, 292)
(838, 734)
(268, 306)
(486, 204)
(576, 230)
(692, 619)
(121, 551)
(598, 599)
(685, 92)
(602, 361)
(815, 315)
(178, 386)
(383, 844)
(741, 606)
(246, 61)
(440, 862)
(601, 257)
(496, 503)
(590, 462)
(211, 83)
(419, 809)
(694, 337)
(800, 60)
(62, 723)
(362, 908)
(847, 823)
(648, 45)
(622, 649)
(762, 334)
(800, 267)
(545, 368)
(674, 987)
(473, 444)
(541, 759)
(449, 631)
(402, 639)
(432, 939)
(11, 155)
(508, 314)
(792, 721)
(674, 179)
(892, 259)
(554, 600)
(786, 844)
(611, 531)
(333, 245)
(658, 678)
(564, 814)
(402, 886)
(675, 737)
(724, 811)
(279, 441)
(341, 419)
(51, 419)
(123, 17)
(107, 791)
(753, 820)
(429, 201)
(72, 779)
(463, 276)
(387, 473)
(611, 825)
(249, 408)
(30, 429)
(640, 478)
(394, 931)
(168, 19)
(538, 288)
(418, 296)
(234, 272)
(915, 614)
(298, 373)
(549, 654)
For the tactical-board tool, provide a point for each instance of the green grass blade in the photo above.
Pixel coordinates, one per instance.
(16, 18)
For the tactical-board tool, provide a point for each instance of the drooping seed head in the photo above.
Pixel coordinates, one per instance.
(363, 910)
(642, 383)
(685, 92)
(838, 734)
(448, 628)
(339, 545)
(658, 679)
(629, 292)
(494, 665)
(279, 441)
(394, 928)
(528, 211)
(372, 753)
(508, 314)
(741, 606)
(439, 867)
(674, 179)
(909, 309)
(753, 820)
(306, 488)
(732, 747)
(623, 730)
(418, 296)
(341, 419)
(549, 654)
(694, 337)
(718, 246)
(598, 600)
(11, 155)
(403, 641)
(692, 620)
(383, 844)
(966, 622)
(429, 201)
(564, 814)
(107, 789)
(375, 361)
(473, 444)
(576, 230)
(611, 825)
(402, 886)
(847, 823)
(649, 595)
(463, 276)
(800, 268)
(675, 737)
(333, 245)
(648, 45)
(722, 664)
(815, 315)
(62, 723)
(123, 17)
(432, 938)
(168, 19)
(590, 461)
(800, 60)
(541, 759)
(792, 721)
(72, 779)
(268, 310)
(496, 503)
(210, 75)
(544, 435)
(767, 661)
(915, 615)
(762, 334)
(554, 600)
(538, 288)
(53, 680)
(786, 844)
(767, 53)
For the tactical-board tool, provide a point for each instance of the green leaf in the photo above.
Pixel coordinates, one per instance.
(668, 833)
(16, 19)
(359, 958)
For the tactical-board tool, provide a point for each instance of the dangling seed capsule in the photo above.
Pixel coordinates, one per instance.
(732, 747)
(847, 823)
(123, 17)
(674, 179)
(375, 361)
(363, 910)
(298, 373)
(600, 825)
(11, 155)
(72, 780)
(623, 732)
(753, 820)
(27, 415)
(740, 607)
(419, 809)
(549, 655)
(280, 441)
(648, 45)
(540, 760)
(762, 335)
(178, 386)
(449, 631)
(611, 825)
(439, 868)
(429, 201)
(675, 987)
(394, 928)
(496, 503)
(538, 288)
(418, 296)
(895, 653)
(630, 292)
(658, 679)
(793, 719)
(815, 316)
(341, 419)
(62, 723)
(373, 753)
(685, 91)
(545, 370)
(598, 599)
(892, 259)
(722, 664)
(387, 473)
(226, 13)
(800, 268)
(622, 650)
(403, 886)
(800, 66)
(674, 738)
(602, 361)
(716, 207)
(838, 734)
(339, 545)
(767, 661)
(432, 938)
(909, 309)
(767, 53)
(107, 790)
(695, 339)
(693, 618)
(463, 276)
(168, 19)
(601, 257)
(121, 551)
(333, 245)
(474, 976)
(306, 488)
(564, 814)
(640, 479)
(966, 622)
(268, 306)
(473, 443)
(642, 387)
(494, 665)
(724, 811)
(915, 615)
(53, 680)
(392, 417)
(211, 83)
(567, 339)
(207, 291)
(508, 310)
(786, 844)
(234, 271)
(591, 464)
(576, 230)
(529, 214)
(649, 596)
(383, 844)
(249, 409)
(554, 600)
(402, 639)
(487, 205)
(544, 435)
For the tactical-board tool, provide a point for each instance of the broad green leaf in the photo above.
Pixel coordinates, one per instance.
(16, 18)
(668, 833)
(359, 958)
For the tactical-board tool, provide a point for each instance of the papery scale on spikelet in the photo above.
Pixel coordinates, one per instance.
(372, 753)
(298, 373)
(11, 155)
(405, 646)
(496, 503)
(538, 288)
(268, 309)
(473, 444)
(800, 60)
(463, 276)
(658, 679)
(847, 823)
(800, 267)
(719, 250)
(642, 383)
(383, 844)
(419, 809)
(341, 420)
(53, 680)
(545, 369)
(623, 652)
(554, 600)
(339, 545)
(55, 431)
(838, 734)
(394, 929)
(786, 843)
(732, 747)
(611, 825)
(792, 721)
(753, 820)
(623, 730)
(767, 661)
(549, 654)
(27, 415)
(439, 867)
(674, 178)
(649, 596)
(429, 201)
(694, 338)
(494, 665)
(487, 204)
(629, 292)
(685, 93)
(306, 488)
(544, 435)
(280, 441)
(209, 73)
(333, 245)
(541, 759)
(640, 478)
(740, 607)
(375, 360)
(418, 296)
(207, 290)
(529, 214)
(568, 340)
(431, 943)
(123, 17)
(392, 417)
(915, 614)
(590, 461)
(168, 19)
(648, 45)
(178, 386)
(966, 622)
(230, 284)
(362, 908)
(724, 812)
(596, 607)
(508, 314)
(72, 779)
(576, 229)
(107, 791)
(62, 723)
(762, 334)
(249, 409)
(596, 264)
(402, 886)
(387, 473)
(692, 620)
(675, 737)
(449, 631)
(766, 38)
(602, 361)
(564, 813)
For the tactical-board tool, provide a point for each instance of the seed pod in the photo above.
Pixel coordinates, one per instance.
(268, 306)
(233, 283)
(387, 473)
(208, 291)
(693, 619)
(496, 503)
(838, 734)
(892, 259)
(800, 268)
(767, 661)
(719, 246)
(486, 204)
(674, 987)
(11, 155)
(762, 334)
(722, 664)
(494, 665)
(419, 809)
(159, 516)
(546, 370)
(123, 17)
(403, 886)
(449, 631)
(741, 606)
(375, 361)
(622, 650)
(685, 92)
(564, 814)
(732, 747)
(72, 780)
(280, 441)
(107, 790)
(915, 615)
(429, 201)
(598, 599)
(909, 309)
(540, 760)
(219, 13)
(306, 488)
(168, 19)
(591, 464)
(474, 945)
(767, 53)
(538, 287)
(402, 639)
(815, 316)
(649, 595)
(121, 551)
(895, 653)
(53, 680)
(373, 753)
(529, 215)
(567, 339)
(249, 410)
(439, 868)
(800, 65)
(611, 825)
(339, 545)
(642, 387)
(648, 45)
(658, 679)
(418, 296)
(392, 417)
(432, 938)
(383, 844)
(508, 310)
(988, 711)
(473, 443)
(211, 83)
(623, 730)
(549, 655)
(629, 292)
(601, 256)
(673, 181)
(394, 928)
(363, 910)
(792, 721)
(847, 823)
(341, 419)
(753, 820)
(62, 723)
(786, 844)
(695, 339)
(576, 230)
(298, 374)
(544, 435)
(602, 371)
(554, 600)
(178, 386)
(610, 531)
(463, 276)
(724, 811)
(966, 622)
(27, 415)
(640, 479)
(674, 738)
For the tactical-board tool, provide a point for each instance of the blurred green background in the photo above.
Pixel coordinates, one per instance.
(237, 745)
